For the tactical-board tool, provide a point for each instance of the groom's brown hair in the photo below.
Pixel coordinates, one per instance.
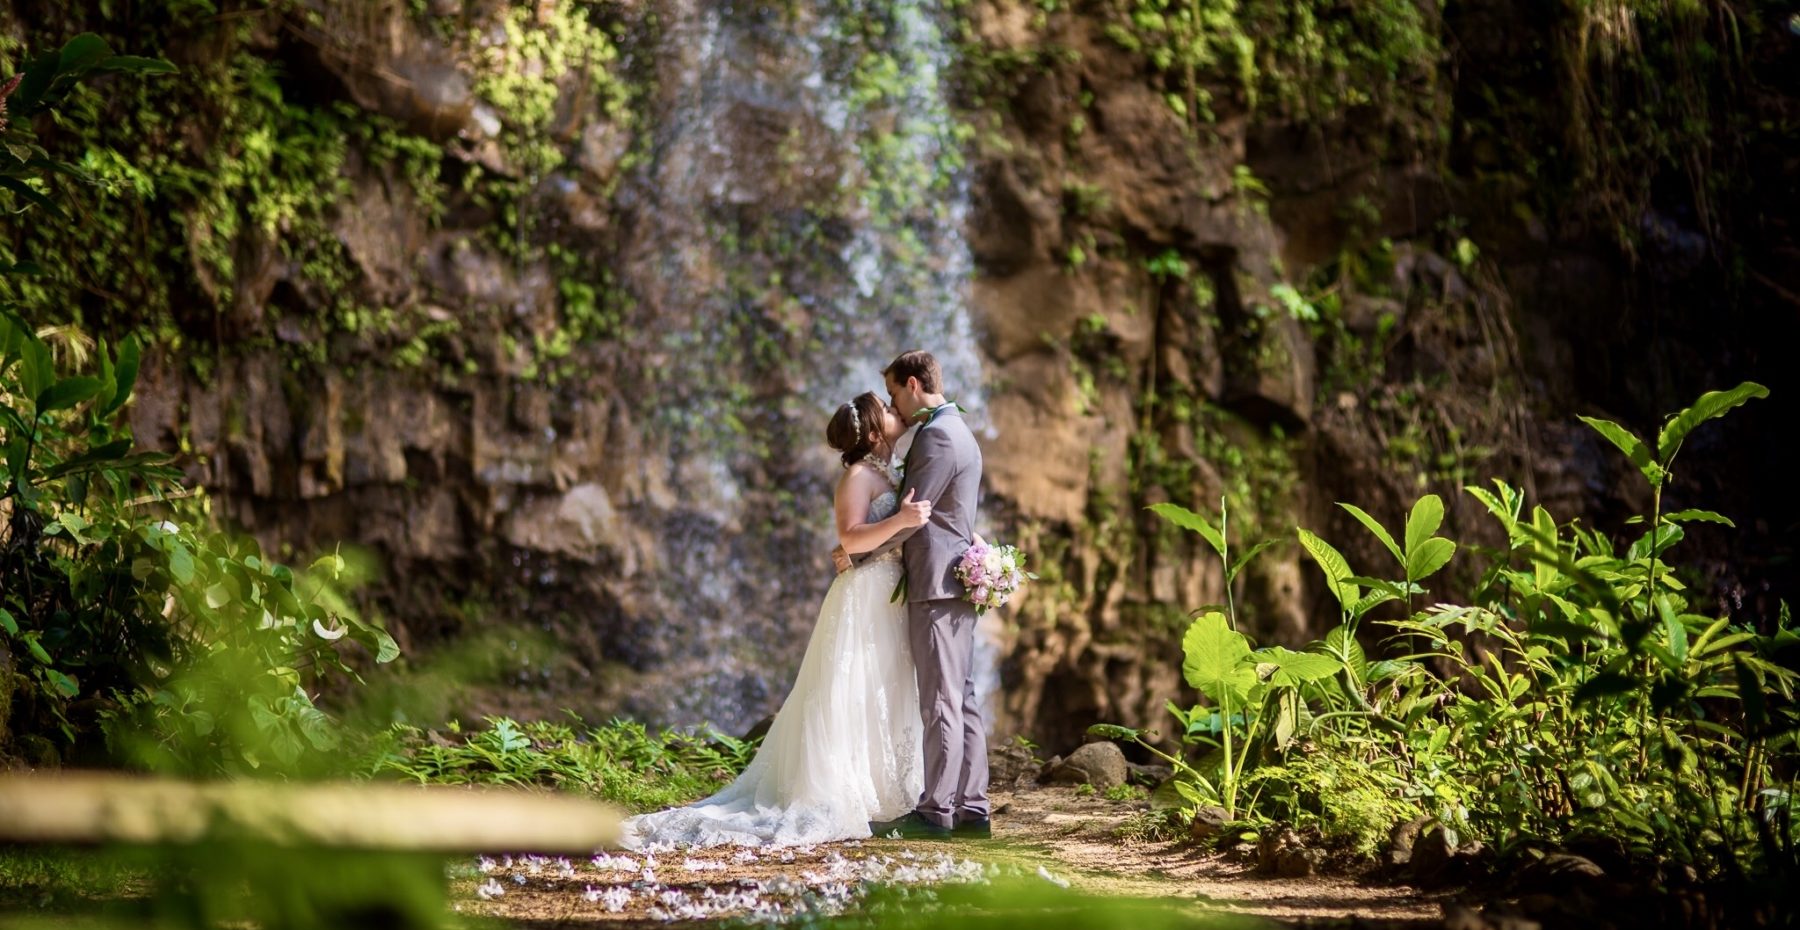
(917, 364)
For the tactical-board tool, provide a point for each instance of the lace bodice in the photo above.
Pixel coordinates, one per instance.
(886, 504)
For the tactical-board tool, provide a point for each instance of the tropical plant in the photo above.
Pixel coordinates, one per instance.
(46, 80)
(1219, 539)
(1257, 707)
(195, 649)
(1581, 691)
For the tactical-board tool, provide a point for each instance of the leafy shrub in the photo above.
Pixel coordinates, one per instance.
(620, 761)
(195, 649)
(1580, 692)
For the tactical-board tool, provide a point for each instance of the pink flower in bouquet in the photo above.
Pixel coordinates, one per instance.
(991, 574)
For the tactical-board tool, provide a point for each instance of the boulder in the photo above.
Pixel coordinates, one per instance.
(1403, 837)
(1298, 861)
(1099, 764)
(1557, 873)
(1272, 846)
(1437, 862)
(1011, 763)
(1208, 823)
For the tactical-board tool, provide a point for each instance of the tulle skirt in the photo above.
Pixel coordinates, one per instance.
(843, 750)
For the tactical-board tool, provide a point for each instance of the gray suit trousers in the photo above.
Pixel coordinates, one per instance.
(956, 758)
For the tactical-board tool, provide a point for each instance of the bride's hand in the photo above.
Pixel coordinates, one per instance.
(914, 513)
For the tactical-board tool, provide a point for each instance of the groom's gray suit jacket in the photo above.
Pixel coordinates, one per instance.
(943, 467)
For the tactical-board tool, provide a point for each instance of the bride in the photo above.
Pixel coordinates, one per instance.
(844, 749)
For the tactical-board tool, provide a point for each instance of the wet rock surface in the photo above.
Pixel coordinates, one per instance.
(653, 502)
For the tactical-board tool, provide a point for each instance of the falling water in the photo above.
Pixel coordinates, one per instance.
(802, 221)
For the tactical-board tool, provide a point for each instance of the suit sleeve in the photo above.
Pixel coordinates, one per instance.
(935, 466)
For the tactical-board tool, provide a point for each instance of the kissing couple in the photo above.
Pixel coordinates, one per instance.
(881, 733)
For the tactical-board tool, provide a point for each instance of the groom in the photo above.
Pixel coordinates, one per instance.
(943, 467)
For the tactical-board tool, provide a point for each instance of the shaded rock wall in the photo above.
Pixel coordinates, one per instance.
(580, 379)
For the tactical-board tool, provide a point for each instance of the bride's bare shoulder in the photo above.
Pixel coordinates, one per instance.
(857, 473)
(859, 477)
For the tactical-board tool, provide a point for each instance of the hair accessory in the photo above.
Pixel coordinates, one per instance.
(855, 421)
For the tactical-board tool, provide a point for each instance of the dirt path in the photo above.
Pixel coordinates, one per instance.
(1082, 835)
(1052, 835)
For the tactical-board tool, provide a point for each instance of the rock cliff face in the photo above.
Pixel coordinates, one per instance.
(559, 346)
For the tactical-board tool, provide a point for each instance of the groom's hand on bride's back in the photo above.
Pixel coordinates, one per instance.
(840, 559)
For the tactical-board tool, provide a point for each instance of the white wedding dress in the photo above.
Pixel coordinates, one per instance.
(845, 747)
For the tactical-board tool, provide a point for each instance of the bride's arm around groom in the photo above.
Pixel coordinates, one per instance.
(855, 534)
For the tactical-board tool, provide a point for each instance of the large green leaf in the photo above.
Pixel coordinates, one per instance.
(1431, 555)
(386, 650)
(99, 456)
(36, 648)
(66, 685)
(218, 595)
(13, 333)
(1674, 631)
(1376, 528)
(1189, 520)
(1293, 669)
(29, 95)
(1111, 731)
(1371, 601)
(1547, 554)
(134, 64)
(181, 562)
(67, 393)
(125, 374)
(82, 53)
(32, 195)
(1504, 505)
(37, 370)
(1628, 443)
(314, 725)
(1655, 541)
(1427, 515)
(1333, 564)
(8, 622)
(1710, 405)
(1213, 659)
(1698, 516)
(1243, 560)
(17, 445)
(1341, 643)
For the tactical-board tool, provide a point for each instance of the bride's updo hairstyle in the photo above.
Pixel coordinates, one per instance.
(848, 431)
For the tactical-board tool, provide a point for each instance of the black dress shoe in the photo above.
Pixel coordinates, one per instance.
(913, 826)
(982, 829)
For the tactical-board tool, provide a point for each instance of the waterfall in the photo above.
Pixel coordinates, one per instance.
(800, 222)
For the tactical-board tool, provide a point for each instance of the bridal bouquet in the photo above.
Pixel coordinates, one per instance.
(992, 574)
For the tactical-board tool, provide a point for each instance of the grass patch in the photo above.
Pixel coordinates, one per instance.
(56, 878)
(621, 761)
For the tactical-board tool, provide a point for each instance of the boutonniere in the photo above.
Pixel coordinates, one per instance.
(926, 413)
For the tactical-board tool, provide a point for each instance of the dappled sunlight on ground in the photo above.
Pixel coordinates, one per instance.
(1051, 835)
